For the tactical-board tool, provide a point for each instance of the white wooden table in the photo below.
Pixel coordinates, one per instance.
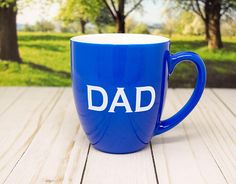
(41, 141)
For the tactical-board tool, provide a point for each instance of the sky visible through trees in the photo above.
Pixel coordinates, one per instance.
(37, 11)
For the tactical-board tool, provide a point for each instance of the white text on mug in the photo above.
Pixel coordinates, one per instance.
(120, 93)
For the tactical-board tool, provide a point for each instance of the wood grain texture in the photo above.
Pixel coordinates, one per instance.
(181, 154)
(217, 128)
(228, 97)
(104, 168)
(77, 159)
(42, 141)
(20, 121)
(9, 96)
(46, 159)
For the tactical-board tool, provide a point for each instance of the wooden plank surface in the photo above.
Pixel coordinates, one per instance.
(181, 155)
(20, 121)
(228, 97)
(42, 141)
(9, 96)
(46, 159)
(104, 168)
(77, 159)
(216, 127)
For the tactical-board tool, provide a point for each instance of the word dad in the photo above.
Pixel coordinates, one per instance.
(120, 93)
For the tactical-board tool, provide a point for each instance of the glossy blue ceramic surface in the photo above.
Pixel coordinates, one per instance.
(127, 68)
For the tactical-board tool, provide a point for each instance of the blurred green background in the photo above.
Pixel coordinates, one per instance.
(43, 44)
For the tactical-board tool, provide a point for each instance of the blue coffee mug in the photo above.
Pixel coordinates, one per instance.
(119, 83)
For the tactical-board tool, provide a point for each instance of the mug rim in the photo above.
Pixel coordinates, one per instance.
(120, 39)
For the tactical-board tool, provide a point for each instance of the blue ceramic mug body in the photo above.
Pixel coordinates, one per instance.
(119, 83)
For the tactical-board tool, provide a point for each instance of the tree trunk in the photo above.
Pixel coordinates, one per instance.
(82, 25)
(120, 24)
(8, 35)
(170, 33)
(206, 19)
(214, 41)
(99, 29)
(206, 22)
(120, 19)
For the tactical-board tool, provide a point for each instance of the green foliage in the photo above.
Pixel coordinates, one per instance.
(190, 24)
(228, 5)
(28, 28)
(134, 27)
(129, 24)
(72, 27)
(40, 26)
(103, 19)
(182, 22)
(172, 19)
(74, 10)
(140, 29)
(185, 17)
(109, 29)
(44, 26)
(229, 24)
(6, 3)
(46, 61)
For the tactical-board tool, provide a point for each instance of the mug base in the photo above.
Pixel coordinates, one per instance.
(120, 151)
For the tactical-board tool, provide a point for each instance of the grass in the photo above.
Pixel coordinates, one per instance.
(198, 45)
(220, 64)
(46, 62)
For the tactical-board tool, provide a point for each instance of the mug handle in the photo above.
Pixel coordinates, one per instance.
(174, 59)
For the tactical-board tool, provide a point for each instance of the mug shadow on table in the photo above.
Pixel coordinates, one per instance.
(169, 138)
